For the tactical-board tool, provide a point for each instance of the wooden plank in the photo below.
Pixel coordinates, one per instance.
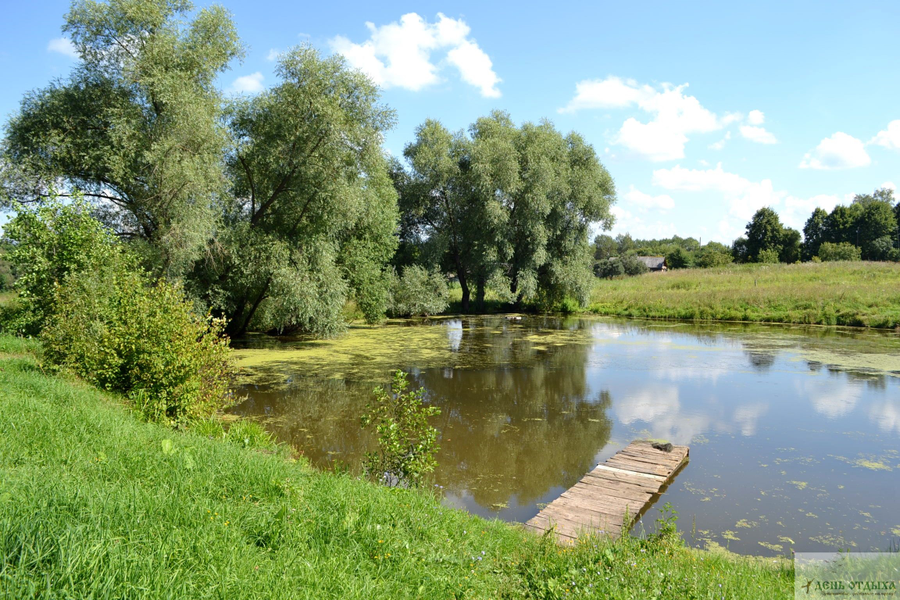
(627, 483)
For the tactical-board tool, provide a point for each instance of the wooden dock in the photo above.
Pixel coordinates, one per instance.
(626, 484)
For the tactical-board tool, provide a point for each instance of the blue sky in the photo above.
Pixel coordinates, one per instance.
(702, 111)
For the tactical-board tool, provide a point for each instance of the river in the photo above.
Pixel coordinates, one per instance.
(794, 431)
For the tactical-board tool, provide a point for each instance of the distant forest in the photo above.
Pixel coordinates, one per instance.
(867, 229)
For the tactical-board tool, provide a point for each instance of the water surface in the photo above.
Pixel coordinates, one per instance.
(794, 431)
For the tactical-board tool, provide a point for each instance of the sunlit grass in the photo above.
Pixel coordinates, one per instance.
(854, 293)
(95, 503)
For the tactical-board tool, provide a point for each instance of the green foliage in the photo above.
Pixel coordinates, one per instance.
(506, 207)
(768, 256)
(49, 242)
(617, 266)
(406, 442)
(311, 222)
(136, 126)
(764, 232)
(417, 292)
(667, 527)
(679, 259)
(814, 233)
(713, 255)
(843, 251)
(122, 333)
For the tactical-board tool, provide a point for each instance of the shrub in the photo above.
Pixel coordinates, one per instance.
(633, 266)
(707, 259)
(843, 251)
(120, 332)
(48, 243)
(609, 268)
(406, 442)
(417, 292)
(679, 258)
(770, 256)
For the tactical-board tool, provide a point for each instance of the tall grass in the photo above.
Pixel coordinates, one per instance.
(95, 503)
(863, 294)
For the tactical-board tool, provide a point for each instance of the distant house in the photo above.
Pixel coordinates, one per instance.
(654, 263)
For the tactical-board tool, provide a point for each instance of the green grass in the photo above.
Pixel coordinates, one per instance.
(97, 504)
(865, 294)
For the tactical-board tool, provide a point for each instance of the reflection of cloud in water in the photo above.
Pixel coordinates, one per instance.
(454, 333)
(886, 414)
(831, 398)
(660, 408)
(747, 417)
(648, 405)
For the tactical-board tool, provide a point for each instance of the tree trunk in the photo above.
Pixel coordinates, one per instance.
(479, 293)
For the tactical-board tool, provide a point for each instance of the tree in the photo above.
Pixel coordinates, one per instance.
(814, 233)
(764, 232)
(136, 125)
(842, 224)
(679, 259)
(790, 246)
(312, 214)
(712, 255)
(604, 247)
(875, 222)
(842, 251)
(740, 251)
(506, 207)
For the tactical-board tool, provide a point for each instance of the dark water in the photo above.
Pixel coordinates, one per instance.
(794, 432)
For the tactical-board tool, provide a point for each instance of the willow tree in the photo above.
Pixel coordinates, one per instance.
(136, 126)
(512, 206)
(312, 213)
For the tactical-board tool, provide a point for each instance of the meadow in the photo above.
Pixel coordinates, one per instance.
(97, 503)
(862, 294)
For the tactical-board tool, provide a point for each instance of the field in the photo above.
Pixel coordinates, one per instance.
(864, 294)
(95, 503)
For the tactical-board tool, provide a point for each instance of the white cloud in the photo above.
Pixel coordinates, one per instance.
(612, 92)
(399, 54)
(889, 138)
(675, 115)
(756, 117)
(475, 68)
(889, 185)
(721, 143)
(628, 222)
(757, 134)
(840, 151)
(744, 196)
(63, 46)
(250, 84)
(797, 210)
(646, 201)
(273, 54)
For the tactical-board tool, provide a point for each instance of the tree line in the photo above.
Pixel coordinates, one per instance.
(274, 211)
(866, 229)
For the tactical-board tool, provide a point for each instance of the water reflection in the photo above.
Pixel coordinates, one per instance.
(794, 431)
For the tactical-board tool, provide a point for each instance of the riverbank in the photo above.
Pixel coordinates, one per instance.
(860, 294)
(95, 502)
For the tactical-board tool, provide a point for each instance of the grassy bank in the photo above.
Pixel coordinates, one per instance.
(95, 503)
(863, 294)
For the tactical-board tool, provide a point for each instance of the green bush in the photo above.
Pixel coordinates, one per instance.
(406, 442)
(122, 333)
(843, 251)
(47, 243)
(417, 292)
(769, 257)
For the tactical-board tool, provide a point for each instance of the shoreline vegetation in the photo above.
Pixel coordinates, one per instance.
(858, 294)
(97, 502)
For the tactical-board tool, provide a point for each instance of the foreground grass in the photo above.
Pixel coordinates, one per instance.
(863, 294)
(94, 503)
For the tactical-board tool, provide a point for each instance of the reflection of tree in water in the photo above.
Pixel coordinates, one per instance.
(515, 431)
(517, 421)
(760, 361)
(319, 417)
